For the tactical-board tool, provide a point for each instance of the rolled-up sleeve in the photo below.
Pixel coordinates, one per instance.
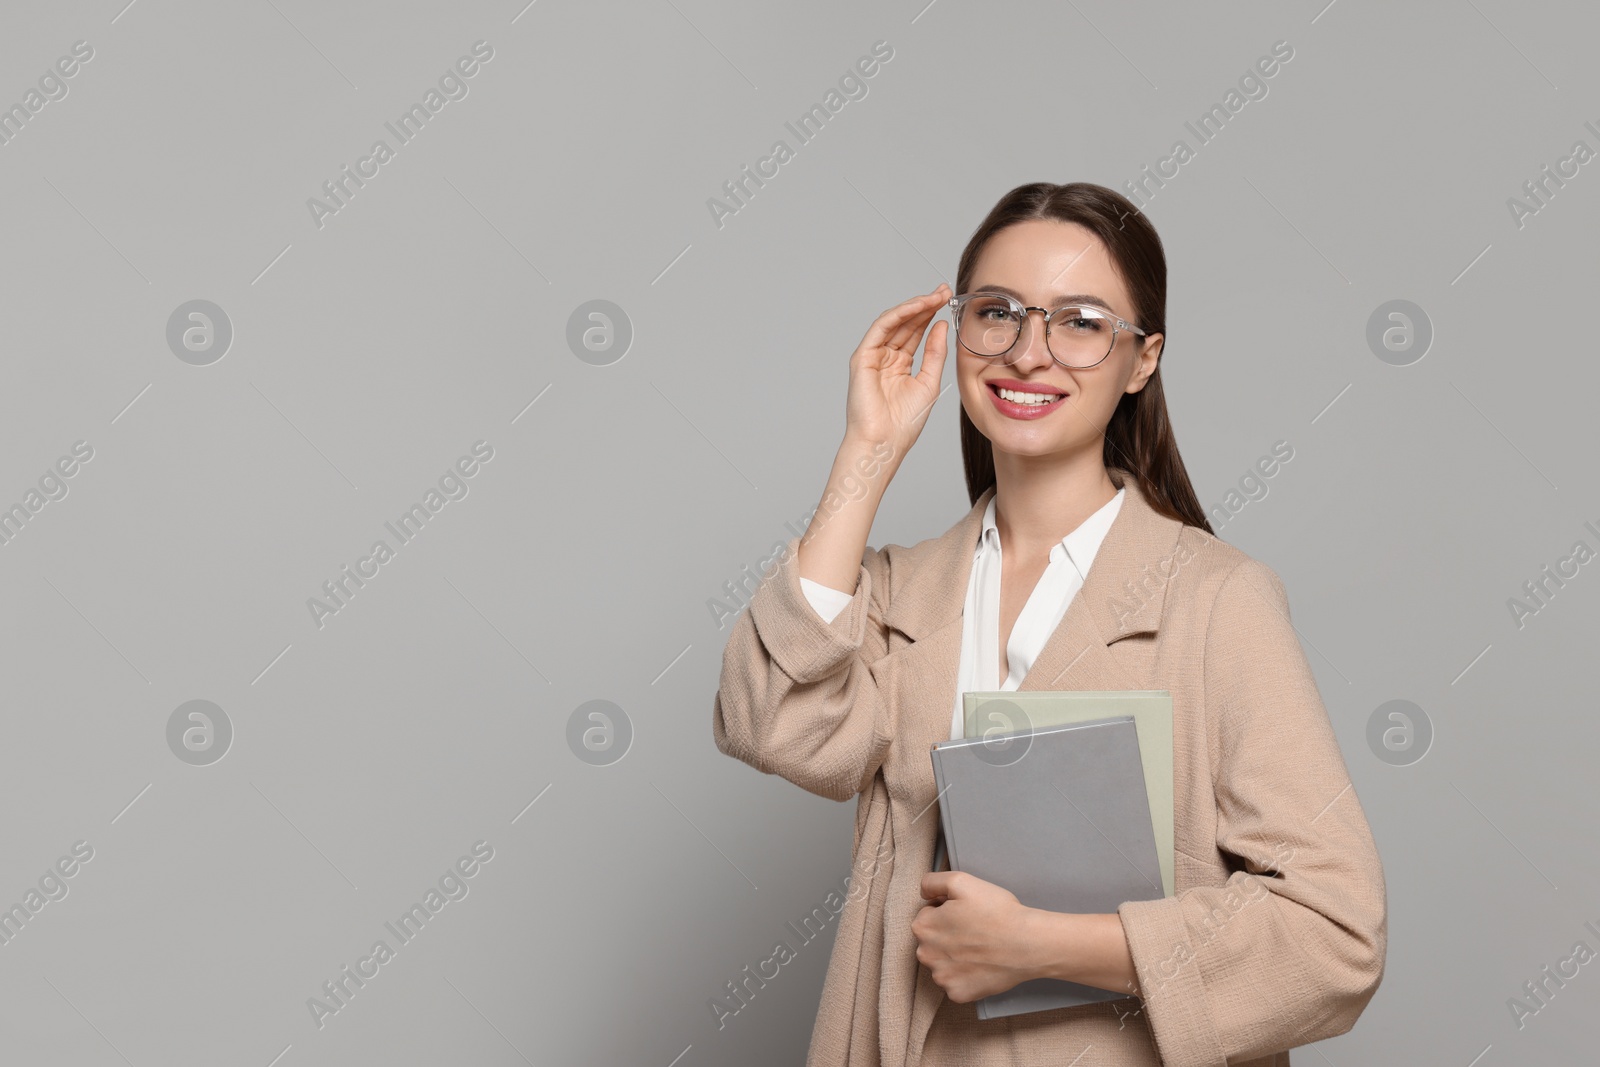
(1291, 948)
(796, 697)
(827, 601)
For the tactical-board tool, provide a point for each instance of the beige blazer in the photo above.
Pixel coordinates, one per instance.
(1277, 932)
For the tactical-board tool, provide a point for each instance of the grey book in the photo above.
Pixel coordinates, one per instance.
(990, 713)
(1059, 816)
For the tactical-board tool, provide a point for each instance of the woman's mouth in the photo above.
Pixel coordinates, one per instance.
(1023, 404)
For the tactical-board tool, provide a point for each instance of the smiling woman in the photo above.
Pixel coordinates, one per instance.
(1085, 562)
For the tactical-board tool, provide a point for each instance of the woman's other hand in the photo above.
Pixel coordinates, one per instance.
(973, 937)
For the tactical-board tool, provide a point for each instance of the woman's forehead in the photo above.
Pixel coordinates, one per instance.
(1049, 260)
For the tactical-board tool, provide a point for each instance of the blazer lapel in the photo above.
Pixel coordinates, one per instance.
(1122, 594)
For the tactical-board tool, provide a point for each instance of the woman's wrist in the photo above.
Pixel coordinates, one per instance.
(870, 457)
(833, 543)
(1090, 950)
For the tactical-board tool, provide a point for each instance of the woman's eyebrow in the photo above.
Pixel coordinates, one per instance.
(1063, 298)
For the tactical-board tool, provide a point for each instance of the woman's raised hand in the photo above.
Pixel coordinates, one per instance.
(887, 403)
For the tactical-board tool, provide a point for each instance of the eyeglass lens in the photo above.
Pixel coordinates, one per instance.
(1077, 336)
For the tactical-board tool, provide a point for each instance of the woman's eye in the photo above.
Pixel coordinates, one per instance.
(1079, 324)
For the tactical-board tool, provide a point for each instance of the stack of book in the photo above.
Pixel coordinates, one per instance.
(1065, 799)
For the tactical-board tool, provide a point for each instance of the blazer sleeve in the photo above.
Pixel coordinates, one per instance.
(797, 697)
(827, 602)
(1291, 948)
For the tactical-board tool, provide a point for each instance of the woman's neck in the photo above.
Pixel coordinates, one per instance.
(1040, 500)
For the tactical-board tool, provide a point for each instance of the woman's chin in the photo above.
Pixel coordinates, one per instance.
(1022, 437)
(1026, 442)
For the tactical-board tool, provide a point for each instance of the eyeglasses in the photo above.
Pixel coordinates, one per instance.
(1077, 335)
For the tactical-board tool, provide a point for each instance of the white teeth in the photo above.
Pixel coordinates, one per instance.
(1026, 398)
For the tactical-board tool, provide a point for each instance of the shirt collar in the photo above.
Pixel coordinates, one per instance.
(1079, 545)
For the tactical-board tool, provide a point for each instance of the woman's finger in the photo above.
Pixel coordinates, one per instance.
(911, 329)
(933, 355)
(882, 326)
(878, 333)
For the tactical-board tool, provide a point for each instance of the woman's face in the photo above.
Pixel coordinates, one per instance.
(1047, 263)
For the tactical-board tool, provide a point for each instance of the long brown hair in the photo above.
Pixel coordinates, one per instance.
(1139, 437)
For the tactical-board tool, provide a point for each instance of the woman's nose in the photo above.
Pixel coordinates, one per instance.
(1032, 349)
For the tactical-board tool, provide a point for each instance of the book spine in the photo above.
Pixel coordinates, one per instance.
(950, 860)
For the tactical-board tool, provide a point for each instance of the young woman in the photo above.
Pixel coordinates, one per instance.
(1086, 563)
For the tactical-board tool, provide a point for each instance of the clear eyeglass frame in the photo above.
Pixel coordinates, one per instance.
(1022, 311)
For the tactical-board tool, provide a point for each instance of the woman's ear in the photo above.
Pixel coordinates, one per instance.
(1148, 360)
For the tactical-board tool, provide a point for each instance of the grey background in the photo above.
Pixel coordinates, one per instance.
(431, 312)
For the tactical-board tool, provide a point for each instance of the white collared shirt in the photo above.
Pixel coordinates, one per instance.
(1070, 561)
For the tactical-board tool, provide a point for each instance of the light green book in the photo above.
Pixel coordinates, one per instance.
(1017, 711)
